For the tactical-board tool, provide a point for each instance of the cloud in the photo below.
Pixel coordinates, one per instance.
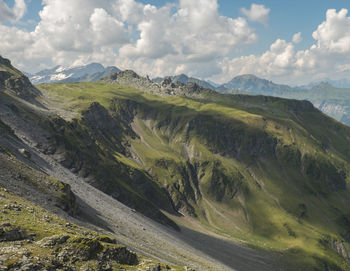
(333, 35)
(297, 38)
(14, 14)
(257, 13)
(186, 41)
(185, 37)
(328, 57)
(107, 29)
(191, 38)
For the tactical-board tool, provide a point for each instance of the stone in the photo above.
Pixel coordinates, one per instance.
(25, 153)
(157, 268)
(11, 233)
(121, 255)
(53, 240)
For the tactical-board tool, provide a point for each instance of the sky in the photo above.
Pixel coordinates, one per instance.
(292, 42)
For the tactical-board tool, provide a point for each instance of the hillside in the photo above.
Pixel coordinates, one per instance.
(257, 169)
(12, 81)
(44, 224)
(331, 100)
(252, 182)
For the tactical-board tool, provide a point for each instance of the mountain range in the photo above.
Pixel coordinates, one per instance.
(341, 83)
(88, 73)
(185, 176)
(331, 100)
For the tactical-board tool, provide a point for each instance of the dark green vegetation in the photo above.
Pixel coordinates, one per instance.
(270, 172)
(331, 100)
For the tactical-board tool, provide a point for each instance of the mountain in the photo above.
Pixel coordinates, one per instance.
(255, 85)
(174, 171)
(185, 79)
(89, 73)
(341, 83)
(212, 83)
(12, 81)
(44, 224)
(333, 101)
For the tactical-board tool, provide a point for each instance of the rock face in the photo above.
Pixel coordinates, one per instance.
(164, 88)
(85, 249)
(53, 240)
(184, 79)
(67, 253)
(14, 82)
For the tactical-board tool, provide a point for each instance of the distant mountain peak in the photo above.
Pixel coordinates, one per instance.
(254, 85)
(247, 76)
(322, 85)
(90, 72)
(183, 78)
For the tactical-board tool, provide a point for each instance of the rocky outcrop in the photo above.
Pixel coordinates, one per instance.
(65, 252)
(337, 246)
(14, 82)
(164, 88)
(9, 232)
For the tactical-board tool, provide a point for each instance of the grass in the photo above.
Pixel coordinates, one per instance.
(42, 223)
(285, 155)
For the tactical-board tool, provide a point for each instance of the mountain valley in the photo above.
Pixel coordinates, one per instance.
(179, 174)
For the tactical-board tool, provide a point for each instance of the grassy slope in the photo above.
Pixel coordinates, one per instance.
(266, 171)
(338, 98)
(40, 223)
(44, 224)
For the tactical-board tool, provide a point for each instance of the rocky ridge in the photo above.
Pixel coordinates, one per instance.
(14, 82)
(164, 88)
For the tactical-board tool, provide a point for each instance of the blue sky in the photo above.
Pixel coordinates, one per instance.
(139, 42)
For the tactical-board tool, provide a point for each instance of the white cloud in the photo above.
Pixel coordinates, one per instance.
(187, 37)
(333, 35)
(297, 38)
(257, 13)
(15, 14)
(106, 28)
(328, 57)
(188, 40)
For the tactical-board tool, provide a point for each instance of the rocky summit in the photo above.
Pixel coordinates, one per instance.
(130, 174)
(14, 82)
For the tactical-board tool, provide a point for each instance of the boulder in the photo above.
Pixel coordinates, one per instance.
(53, 240)
(25, 153)
(12, 233)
